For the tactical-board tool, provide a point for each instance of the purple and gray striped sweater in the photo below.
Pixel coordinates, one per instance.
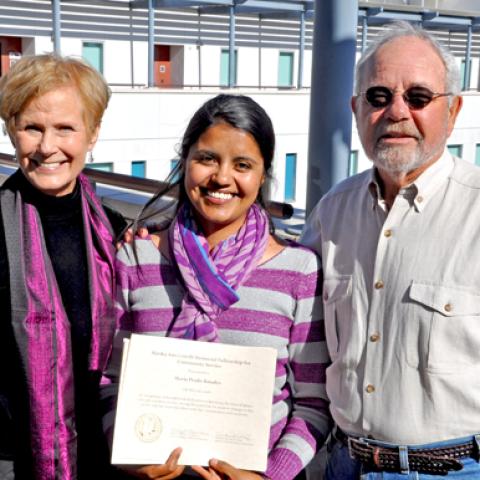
(280, 306)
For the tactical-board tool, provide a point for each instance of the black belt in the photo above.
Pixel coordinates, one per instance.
(434, 461)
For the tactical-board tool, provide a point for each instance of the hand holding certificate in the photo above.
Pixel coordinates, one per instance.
(213, 400)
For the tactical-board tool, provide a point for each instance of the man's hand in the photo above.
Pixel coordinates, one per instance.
(170, 469)
(219, 470)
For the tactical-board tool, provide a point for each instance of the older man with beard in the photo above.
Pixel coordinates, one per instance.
(401, 259)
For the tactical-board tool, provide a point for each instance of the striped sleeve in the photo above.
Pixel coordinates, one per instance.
(309, 422)
(110, 380)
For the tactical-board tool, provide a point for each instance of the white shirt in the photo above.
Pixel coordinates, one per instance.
(402, 304)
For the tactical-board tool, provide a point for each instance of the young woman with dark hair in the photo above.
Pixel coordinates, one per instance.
(217, 273)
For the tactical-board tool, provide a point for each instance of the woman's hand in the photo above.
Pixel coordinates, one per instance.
(219, 470)
(170, 469)
(128, 236)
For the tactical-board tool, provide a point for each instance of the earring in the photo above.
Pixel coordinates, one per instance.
(90, 157)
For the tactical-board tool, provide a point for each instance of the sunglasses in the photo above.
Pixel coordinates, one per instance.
(415, 97)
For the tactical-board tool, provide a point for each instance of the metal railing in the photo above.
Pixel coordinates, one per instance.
(146, 185)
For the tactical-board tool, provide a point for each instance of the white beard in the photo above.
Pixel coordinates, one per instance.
(396, 160)
(400, 160)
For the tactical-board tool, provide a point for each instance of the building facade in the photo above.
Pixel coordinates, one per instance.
(143, 125)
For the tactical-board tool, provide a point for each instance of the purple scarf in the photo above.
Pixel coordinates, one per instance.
(211, 279)
(42, 329)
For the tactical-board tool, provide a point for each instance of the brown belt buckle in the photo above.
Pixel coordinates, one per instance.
(350, 440)
(361, 442)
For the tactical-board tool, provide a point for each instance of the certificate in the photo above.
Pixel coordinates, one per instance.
(214, 400)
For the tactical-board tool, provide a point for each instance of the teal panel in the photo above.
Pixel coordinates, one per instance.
(173, 164)
(462, 73)
(224, 58)
(139, 168)
(290, 176)
(477, 154)
(353, 163)
(455, 150)
(285, 69)
(104, 167)
(93, 54)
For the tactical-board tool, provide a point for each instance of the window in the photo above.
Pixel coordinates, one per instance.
(455, 150)
(285, 69)
(173, 164)
(93, 54)
(139, 168)
(104, 167)
(462, 73)
(353, 163)
(224, 65)
(477, 154)
(290, 176)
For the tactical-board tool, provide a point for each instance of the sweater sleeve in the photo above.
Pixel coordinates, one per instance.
(309, 421)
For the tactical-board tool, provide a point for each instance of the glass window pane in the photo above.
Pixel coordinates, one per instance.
(477, 154)
(290, 176)
(462, 74)
(285, 69)
(224, 66)
(93, 54)
(353, 163)
(139, 168)
(104, 167)
(455, 150)
(173, 164)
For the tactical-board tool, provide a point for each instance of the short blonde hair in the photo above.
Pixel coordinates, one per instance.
(36, 75)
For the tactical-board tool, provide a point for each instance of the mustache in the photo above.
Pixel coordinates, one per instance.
(394, 129)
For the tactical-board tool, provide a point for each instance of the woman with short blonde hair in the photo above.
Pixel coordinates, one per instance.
(56, 273)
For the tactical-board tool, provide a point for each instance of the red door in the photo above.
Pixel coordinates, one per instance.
(10, 52)
(162, 66)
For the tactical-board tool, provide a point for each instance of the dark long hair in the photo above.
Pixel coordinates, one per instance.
(239, 111)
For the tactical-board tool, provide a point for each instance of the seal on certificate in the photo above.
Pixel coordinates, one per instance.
(148, 427)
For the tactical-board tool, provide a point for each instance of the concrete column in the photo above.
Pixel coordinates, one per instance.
(364, 33)
(334, 46)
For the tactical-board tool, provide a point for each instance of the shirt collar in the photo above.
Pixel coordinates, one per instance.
(431, 180)
(375, 190)
(422, 189)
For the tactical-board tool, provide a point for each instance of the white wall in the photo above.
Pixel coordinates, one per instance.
(210, 64)
(190, 65)
(269, 66)
(247, 66)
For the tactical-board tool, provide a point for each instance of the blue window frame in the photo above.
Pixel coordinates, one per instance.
(139, 168)
(477, 154)
(353, 163)
(285, 69)
(224, 65)
(173, 163)
(290, 176)
(104, 167)
(462, 74)
(93, 54)
(456, 150)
